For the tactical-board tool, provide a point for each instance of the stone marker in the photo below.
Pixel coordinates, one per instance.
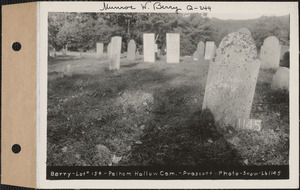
(286, 60)
(99, 50)
(68, 71)
(109, 50)
(173, 48)
(131, 50)
(209, 50)
(155, 48)
(245, 31)
(195, 55)
(283, 50)
(280, 79)
(137, 55)
(148, 48)
(115, 53)
(270, 53)
(200, 50)
(231, 79)
(158, 52)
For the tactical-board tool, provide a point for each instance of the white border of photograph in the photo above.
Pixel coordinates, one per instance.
(218, 8)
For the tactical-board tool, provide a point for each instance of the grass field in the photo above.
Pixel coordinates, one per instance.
(150, 114)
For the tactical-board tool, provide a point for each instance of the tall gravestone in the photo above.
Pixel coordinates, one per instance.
(231, 80)
(173, 48)
(209, 50)
(200, 50)
(99, 49)
(114, 62)
(148, 48)
(131, 50)
(270, 53)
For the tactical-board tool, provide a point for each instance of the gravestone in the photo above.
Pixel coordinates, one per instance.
(280, 79)
(99, 49)
(209, 50)
(270, 53)
(286, 60)
(195, 56)
(114, 62)
(283, 50)
(131, 50)
(137, 55)
(68, 71)
(245, 31)
(155, 48)
(158, 52)
(109, 50)
(148, 48)
(200, 50)
(173, 48)
(231, 80)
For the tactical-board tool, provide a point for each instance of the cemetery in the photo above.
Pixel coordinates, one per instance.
(157, 96)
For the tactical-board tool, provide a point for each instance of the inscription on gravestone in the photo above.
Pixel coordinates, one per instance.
(99, 49)
(209, 50)
(270, 53)
(148, 48)
(231, 80)
(131, 50)
(173, 48)
(114, 62)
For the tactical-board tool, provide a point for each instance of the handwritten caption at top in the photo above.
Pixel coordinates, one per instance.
(156, 6)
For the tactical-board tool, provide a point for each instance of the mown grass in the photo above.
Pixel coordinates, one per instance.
(150, 114)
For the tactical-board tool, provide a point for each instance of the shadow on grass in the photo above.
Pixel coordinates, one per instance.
(180, 135)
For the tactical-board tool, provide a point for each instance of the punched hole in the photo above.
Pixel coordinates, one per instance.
(16, 148)
(16, 46)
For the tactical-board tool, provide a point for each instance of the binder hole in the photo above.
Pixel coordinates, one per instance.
(16, 148)
(16, 46)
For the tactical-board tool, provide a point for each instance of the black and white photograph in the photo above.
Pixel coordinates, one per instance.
(135, 89)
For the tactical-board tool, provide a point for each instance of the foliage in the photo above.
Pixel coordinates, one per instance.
(81, 31)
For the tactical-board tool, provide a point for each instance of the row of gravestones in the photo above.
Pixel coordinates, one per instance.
(204, 52)
(149, 49)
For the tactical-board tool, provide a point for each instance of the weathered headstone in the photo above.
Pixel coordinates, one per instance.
(231, 80)
(109, 50)
(195, 55)
(173, 48)
(68, 71)
(280, 79)
(158, 52)
(99, 49)
(283, 50)
(286, 60)
(64, 51)
(200, 50)
(131, 50)
(114, 62)
(270, 53)
(137, 55)
(155, 48)
(148, 48)
(209, 50)
(245, 31)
